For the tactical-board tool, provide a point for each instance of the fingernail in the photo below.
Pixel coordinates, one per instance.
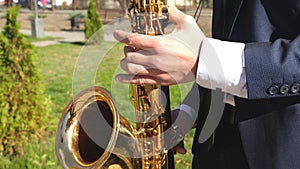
(117, 78)
(117, 35)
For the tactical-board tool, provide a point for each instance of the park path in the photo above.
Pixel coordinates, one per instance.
(62, 37)
(78, 36)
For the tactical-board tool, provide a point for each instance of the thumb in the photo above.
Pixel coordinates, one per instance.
(176, 16)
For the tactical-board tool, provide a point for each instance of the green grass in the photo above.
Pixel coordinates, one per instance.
(57, 63)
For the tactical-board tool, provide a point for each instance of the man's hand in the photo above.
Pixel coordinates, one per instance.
(155, 60)
(184, 124)
(179, 148)
(164, 60)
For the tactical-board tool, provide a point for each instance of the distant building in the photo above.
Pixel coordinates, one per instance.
(184, 2)
(82, 2)
(62, 2)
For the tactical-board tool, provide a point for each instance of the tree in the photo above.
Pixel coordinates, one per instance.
(93, 24)
(24, 106)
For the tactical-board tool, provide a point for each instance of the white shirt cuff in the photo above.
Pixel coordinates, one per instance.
(221, 65)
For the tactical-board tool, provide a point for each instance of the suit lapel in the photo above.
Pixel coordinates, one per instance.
(231, 12)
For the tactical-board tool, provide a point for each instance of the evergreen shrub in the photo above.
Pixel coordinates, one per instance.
(93, 24)
(24, 107)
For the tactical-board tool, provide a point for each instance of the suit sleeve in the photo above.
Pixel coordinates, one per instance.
(273, 69)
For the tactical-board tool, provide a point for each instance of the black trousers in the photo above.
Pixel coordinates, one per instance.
(225, 150)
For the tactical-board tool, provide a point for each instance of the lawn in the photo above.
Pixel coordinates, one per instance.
(68, 68)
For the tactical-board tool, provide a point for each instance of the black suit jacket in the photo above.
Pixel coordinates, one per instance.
(269, 120)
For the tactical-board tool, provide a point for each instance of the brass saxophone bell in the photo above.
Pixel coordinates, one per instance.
(92, 133)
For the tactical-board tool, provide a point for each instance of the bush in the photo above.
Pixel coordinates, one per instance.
(93, 24)
(24, 106)
(77, 15)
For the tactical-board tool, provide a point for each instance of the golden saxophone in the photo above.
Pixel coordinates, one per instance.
(93, 134)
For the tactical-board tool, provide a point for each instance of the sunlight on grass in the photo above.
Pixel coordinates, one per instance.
(57, 65)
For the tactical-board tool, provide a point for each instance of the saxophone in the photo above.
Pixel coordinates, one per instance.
(92, 133)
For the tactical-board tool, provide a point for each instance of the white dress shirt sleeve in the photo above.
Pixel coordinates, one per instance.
(221, 65)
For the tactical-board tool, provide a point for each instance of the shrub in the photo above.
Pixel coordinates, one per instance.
(24, 106)
(77, 15)
(93, 24)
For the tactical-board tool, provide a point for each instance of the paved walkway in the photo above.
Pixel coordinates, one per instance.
(62, 37)
(78, 36)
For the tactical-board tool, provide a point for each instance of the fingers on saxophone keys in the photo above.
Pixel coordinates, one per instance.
(136, 40)
(121, 36)
(128, 49)
(134, 69)
(135, 79)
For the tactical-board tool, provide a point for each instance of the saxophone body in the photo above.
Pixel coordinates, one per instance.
(92, 133)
